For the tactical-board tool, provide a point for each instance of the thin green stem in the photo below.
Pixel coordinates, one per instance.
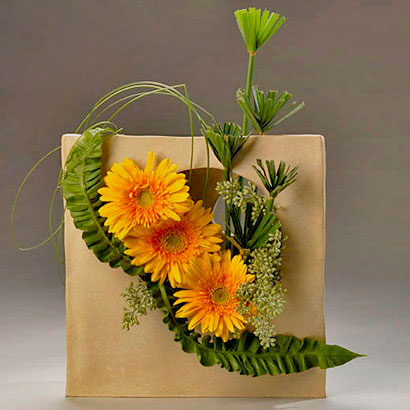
(227, 177)
(164, 296)
(157, 88)
(56, 243)
(113, 93)
(249, 78)
(16, 199)
(116, 102)
(206, 184)
(165, 299)
(59, 260)
(192, 134)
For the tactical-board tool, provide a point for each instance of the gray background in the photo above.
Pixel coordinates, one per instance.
(349, 60)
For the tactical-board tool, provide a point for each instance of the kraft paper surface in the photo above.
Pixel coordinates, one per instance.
(105, 360)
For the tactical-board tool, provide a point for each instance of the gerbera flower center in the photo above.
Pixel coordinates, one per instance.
(174, 241)
(145, 198)
(220, 296)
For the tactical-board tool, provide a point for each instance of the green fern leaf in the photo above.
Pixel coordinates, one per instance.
(81, 181)
(245, 355)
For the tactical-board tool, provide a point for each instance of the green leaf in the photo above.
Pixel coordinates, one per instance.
(244, 103)
(245, 355)
(256, 27)
(265, 108)
(226, 141)
(275, 180)
(290, 113)
(81, 181)
(251, 234)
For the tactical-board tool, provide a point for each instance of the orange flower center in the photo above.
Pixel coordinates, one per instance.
(220, 296)
(145, 198)
(174, 241)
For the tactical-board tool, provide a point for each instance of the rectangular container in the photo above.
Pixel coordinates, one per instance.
(104, 360)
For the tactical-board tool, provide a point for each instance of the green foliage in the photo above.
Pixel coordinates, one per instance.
(226, 141)
(252, 234)
(263, 111)
(257, 27)
(246, 355)
(138, 300)
(234, 192)
(265, 293)
(275, 179)
(81, 181)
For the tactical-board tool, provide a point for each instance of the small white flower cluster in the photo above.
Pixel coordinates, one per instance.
(266, 261)
(263, 299)
(138, 300)
(234, 194)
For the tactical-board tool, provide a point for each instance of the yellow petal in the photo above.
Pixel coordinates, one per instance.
(150, 162)
(195, 320)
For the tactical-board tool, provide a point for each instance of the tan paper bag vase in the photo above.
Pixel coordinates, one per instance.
(104, 360)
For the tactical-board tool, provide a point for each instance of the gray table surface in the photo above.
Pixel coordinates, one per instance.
(371, 320)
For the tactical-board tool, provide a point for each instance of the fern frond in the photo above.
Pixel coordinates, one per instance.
(246, 355)
(81, 181)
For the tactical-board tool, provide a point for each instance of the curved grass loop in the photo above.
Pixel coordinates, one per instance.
(117, 99)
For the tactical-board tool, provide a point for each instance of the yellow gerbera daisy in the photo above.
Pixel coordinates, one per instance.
(142, 196)
(168, 247)
(209, 295)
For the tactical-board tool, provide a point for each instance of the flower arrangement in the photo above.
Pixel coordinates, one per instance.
(219, 287)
